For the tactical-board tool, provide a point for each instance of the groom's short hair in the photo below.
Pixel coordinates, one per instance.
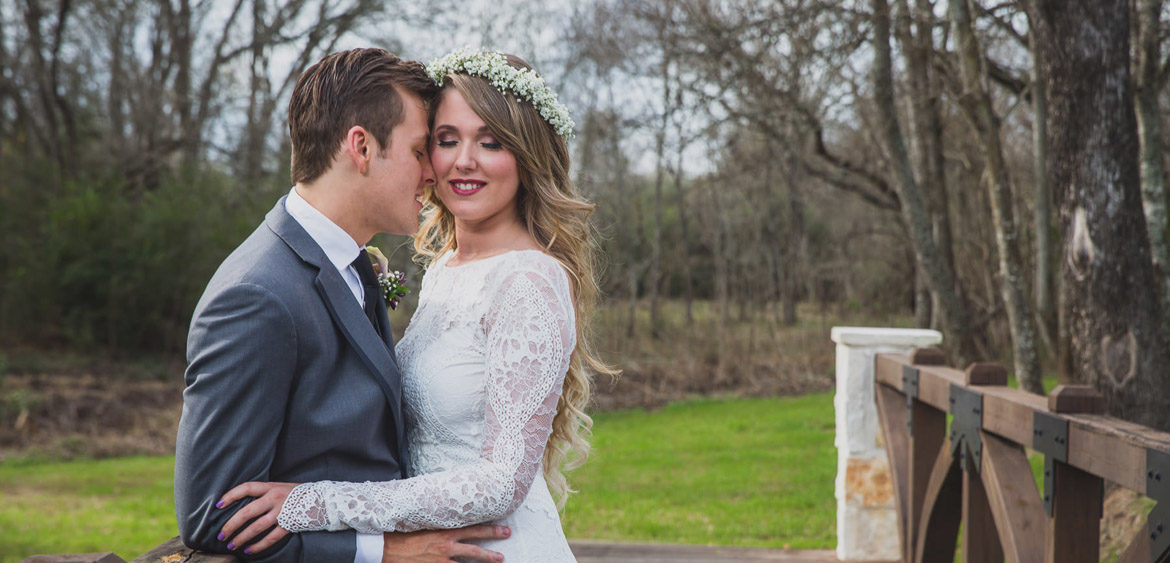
(344, 89)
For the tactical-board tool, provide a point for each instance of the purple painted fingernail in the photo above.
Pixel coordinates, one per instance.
(219, 504)
(248, 550)
(220, 537)
(231, 545)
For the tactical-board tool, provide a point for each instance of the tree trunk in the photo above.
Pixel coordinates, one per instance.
(914, 213)
(926, 124)
(654, 276)
(794, 246)
(183, 45)
(976, 103)
(1149, 118)
(923, 304)
(719, 254)
(252, 143)
(680, 191)
(1113, 309)
(632, 304)
(1042, 219)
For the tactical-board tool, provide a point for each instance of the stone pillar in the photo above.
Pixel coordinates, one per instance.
(867, 519)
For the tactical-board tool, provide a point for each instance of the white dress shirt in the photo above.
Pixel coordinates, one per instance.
(341, 250)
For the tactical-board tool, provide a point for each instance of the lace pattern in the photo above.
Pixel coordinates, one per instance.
(484, 360)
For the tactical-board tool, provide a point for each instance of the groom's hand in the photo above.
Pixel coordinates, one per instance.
(441, 546)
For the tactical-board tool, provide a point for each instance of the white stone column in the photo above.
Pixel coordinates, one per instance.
(867, 519)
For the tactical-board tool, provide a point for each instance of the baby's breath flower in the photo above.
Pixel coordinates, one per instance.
(393, 286)
(524, 84)
(392, 282)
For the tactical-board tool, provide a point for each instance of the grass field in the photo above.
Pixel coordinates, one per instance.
(734, 472)
(119, 505)
(753, 472)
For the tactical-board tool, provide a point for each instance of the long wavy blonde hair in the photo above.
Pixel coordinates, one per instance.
(558, 220)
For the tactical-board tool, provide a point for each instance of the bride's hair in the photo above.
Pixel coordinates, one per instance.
(558, 219)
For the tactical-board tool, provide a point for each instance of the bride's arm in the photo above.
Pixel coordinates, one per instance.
(530, 337)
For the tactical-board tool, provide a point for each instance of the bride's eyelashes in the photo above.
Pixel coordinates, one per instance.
(490, 145)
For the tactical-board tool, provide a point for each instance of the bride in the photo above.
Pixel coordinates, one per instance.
(495, 365)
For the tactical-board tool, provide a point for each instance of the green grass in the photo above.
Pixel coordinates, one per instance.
(753, 472)
(119, 505)
(728, 472)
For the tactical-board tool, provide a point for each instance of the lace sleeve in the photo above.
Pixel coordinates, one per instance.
(530, 337)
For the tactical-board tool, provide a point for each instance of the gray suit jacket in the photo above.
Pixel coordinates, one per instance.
(287, 380)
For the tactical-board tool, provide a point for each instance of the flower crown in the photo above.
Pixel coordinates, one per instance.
(494, 68)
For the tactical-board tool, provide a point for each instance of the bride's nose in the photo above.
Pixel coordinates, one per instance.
(465, 159)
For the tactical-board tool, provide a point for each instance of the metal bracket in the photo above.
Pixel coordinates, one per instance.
(1158, 488)
(1159, 539)
(1157, 475)
(1050, 437)
(1049, 484)
(967, 413)
(910, 389)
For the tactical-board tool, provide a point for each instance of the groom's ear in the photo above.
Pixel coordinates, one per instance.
(358, 146)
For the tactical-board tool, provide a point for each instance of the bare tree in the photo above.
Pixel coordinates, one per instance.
(1151, 77)
(279, 26)
(1044, 281)
(660, 17)
(915, 31)
(914, 213)
(40, 90)
(1112, 312)
(975, 100)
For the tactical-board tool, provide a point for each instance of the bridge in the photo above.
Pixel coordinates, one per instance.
(957, 443)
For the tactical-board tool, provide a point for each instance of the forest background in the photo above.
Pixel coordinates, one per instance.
(994, 170)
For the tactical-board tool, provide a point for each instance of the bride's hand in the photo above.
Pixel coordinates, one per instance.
(262, 511)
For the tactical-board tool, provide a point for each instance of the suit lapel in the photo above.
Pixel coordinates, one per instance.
(375, 352)
(387, 333)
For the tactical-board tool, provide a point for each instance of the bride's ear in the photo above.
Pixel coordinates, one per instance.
(359, 146)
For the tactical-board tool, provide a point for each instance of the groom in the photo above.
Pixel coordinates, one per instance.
(289, 379)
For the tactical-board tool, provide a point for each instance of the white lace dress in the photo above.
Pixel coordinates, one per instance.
(482, 364)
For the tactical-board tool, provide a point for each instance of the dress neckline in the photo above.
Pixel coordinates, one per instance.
(447, 257)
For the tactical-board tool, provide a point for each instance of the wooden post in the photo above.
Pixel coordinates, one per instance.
(75, 558)
(169, 551)
(928, 434)
(930, 427)
(1073, 534)
(1011, 491)
(174, 550)
(938, 527)
(980, 539)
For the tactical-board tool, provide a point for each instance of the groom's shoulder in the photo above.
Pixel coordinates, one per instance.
(262, 259)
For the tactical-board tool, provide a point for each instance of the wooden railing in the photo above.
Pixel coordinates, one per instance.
(170, 551)
(976, 471)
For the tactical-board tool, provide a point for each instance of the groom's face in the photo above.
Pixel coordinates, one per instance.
(401, 170)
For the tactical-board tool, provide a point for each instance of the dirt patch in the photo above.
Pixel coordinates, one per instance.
(652, 386)
(1123, 517)
(63, 416)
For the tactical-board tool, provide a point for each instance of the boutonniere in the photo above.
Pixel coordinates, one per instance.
(392, 282)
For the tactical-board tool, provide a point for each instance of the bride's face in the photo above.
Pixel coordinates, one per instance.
(477, 178)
